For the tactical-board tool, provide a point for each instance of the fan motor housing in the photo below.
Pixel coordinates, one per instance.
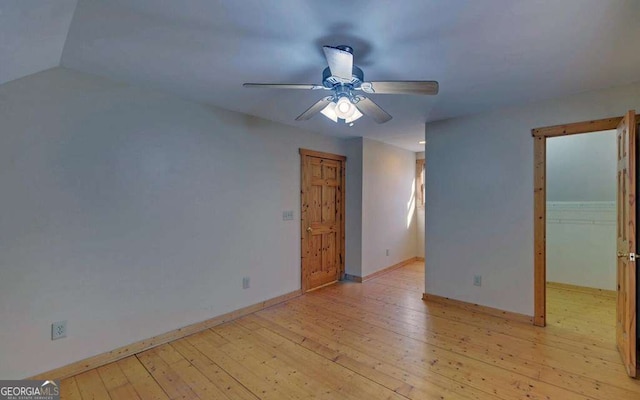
(357, 77)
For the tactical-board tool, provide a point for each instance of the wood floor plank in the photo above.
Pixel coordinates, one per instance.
(142, 381)
(262, 387)
(189, 374)
(200, 384)
(277, 343)
(461, 334)
(91, 386)
(167, 377)
(551, 335)
(421, 384)
(349, 384)
(357, 366)
(409, 321)
(509, 354)
(416, 355)
(124, 392)
(302, 384)
(69, 389)
(533, 353)
(596, 372)
(380, 340)
(290, 380)
(232, 389)
(112, 376)
(116, 382)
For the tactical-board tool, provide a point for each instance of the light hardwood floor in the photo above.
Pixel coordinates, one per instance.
(379, 340)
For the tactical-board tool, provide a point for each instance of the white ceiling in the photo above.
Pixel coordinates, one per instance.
(32, 35)
(485, 54)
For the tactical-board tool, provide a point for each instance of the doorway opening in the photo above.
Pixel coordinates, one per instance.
(581, 235)
(626, 279)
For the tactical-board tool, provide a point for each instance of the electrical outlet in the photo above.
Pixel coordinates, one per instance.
(387, 252)
(58, 330)
(477, 280)
(245, 282)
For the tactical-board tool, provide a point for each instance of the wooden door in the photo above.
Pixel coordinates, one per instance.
(322, 213)
(626, 243)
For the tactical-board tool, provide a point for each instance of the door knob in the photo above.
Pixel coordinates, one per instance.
(309, 229)
(632, 256)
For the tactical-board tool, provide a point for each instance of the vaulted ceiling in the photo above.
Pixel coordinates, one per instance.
(32, 35)
(485, 54)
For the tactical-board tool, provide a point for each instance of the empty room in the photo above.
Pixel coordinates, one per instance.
(299, 199)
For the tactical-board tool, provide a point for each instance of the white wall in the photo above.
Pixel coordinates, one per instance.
(581, 243)
(582, 167)
(480, 196)
(130, 213)
(388, 206)
(420, 219)
(353, 208)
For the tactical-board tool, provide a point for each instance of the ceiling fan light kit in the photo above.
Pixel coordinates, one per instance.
(344, 108)
(334, 113)
(345, 80)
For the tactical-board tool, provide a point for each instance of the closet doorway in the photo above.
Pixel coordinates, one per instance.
(626, 151)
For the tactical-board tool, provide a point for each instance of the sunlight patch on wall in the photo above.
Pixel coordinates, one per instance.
(411, 204)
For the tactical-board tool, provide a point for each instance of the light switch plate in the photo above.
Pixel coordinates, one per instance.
(287, 215)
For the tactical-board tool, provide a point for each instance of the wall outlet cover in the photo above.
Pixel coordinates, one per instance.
(58, 330)
(477, 280)
(246, 282)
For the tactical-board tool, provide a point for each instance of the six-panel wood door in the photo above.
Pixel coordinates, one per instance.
(322, 215)
(626, 243)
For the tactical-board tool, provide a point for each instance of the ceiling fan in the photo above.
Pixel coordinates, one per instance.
(345, 80)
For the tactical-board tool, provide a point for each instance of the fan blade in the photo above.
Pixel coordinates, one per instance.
(371, 109)
(400, 87)
(314, 109)
(340, 62)
(283, 86)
